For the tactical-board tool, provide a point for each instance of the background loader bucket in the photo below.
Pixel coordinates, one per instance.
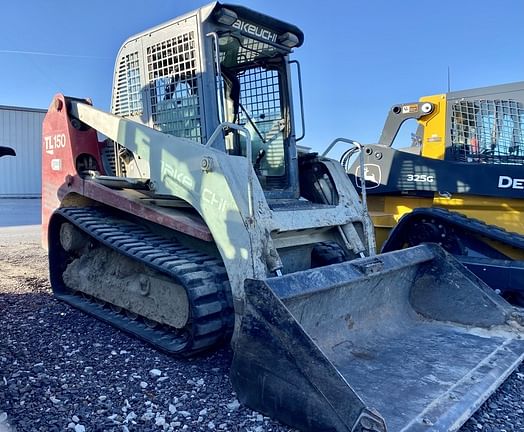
(405, 341)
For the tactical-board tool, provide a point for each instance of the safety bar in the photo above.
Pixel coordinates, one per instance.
(219, 75)
(302, 117)
(249, 155)
(361, 163)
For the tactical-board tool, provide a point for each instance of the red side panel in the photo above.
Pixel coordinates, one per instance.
(62, 144)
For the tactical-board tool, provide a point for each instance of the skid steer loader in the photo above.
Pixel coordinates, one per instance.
(186, 218)
(460, 184)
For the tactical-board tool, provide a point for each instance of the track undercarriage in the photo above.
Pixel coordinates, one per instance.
(484, 249)
(180, 302)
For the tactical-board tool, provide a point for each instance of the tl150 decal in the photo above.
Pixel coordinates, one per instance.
(52, 142)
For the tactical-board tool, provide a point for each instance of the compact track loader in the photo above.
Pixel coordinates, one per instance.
(460, 184)
(186, 219)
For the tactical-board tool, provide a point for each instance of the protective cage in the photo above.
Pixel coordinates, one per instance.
(487, 130)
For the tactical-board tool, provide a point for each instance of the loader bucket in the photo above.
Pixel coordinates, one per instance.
(405, 341)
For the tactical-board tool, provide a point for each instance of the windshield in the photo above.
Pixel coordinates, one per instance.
(252, 81)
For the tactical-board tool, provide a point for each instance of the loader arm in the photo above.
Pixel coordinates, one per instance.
(211, 182)
(398, 114)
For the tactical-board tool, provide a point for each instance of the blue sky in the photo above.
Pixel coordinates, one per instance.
(358, 59)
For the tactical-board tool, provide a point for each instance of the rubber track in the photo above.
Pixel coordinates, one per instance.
(464, 223)
(204, 278)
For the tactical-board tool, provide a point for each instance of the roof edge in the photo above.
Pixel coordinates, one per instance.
(19, 108)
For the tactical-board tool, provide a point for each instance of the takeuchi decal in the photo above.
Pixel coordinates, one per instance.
(255, 30)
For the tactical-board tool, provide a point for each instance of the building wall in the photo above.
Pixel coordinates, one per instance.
(21, 129)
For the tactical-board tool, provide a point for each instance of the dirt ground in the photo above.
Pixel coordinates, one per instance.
(61, 369)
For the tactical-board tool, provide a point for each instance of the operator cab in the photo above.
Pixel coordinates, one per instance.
(220, 63)
(254, 91)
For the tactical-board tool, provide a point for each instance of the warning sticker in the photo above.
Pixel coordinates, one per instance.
(408, 109)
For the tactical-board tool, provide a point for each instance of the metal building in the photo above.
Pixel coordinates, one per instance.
(21, 129)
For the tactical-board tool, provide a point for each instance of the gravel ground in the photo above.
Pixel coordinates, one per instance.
(63, 370)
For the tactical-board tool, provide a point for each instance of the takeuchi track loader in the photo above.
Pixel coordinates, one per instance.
(460, 184)
(187, 219)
